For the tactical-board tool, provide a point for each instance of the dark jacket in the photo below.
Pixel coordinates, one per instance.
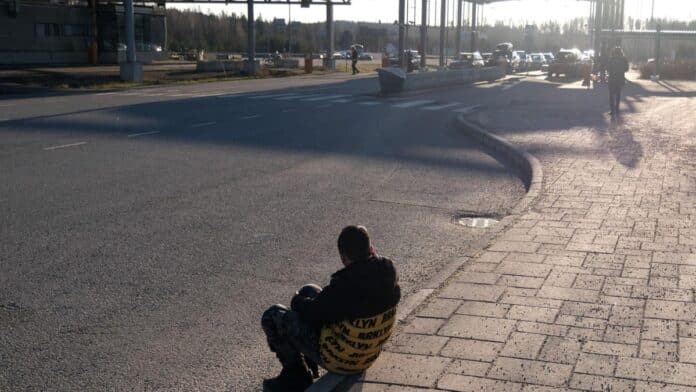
(362, 289)
(617, 67)
(354, 55)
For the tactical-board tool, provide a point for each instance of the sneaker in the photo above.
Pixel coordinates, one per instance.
(289, 380)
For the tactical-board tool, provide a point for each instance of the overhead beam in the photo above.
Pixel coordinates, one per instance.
(285, 2)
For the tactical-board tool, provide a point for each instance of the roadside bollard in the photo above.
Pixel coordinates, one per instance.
(308, 63)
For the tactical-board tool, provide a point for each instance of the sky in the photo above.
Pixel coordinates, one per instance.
(518, 11)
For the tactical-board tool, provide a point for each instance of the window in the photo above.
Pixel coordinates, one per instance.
(75, 30)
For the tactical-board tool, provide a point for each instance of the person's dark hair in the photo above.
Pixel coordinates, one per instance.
(354, 243)
(617, 52)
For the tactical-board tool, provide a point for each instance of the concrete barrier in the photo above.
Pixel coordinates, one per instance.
(227, 66)
(425, 80)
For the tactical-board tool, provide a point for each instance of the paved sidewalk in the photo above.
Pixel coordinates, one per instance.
(593, 288)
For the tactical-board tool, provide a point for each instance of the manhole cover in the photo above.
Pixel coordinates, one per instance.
(477, 223)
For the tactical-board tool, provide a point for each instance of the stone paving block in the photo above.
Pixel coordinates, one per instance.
(622, 334)
(567, 261)
(540, 388)
(560, 350)
(456, 382)
(591, 282)
(651, 370)
(581, 321)
(519, 292)
(525, 257)
(661, 351)
(602, 365)
(606, 348)
(416, 344)
(523, 269)
(439, 308)
(586, 309)
(475, 350)
(471, 291)
(394, 368)
(468, 368)
(617, 290)
(687, 282)
(569, 294)
(626, 315)
(595, 248)
(687, 350)
(479, 267)
(488, 309)
(662, 293)
(642, 386)
(687, 329)
(476, 327)
(520, 281)
(561, 279)
(515, 246)
(523, 345)
(670, 310)
(476, 277)
(534, 372)
(531, 301)
(491, 257)
(656, 329)
(423, 325)
(585, 334)
(542, 328)
(587, 382)
(375, 387)
(532, 313)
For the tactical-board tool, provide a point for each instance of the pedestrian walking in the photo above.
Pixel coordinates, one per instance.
(617, 67)
(341, 327)
(354, 60)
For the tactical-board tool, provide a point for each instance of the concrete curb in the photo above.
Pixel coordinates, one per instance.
(532, 175)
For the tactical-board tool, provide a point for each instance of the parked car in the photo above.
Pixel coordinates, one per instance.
(510, 60)
(549, 57)
(467, 60)
(486, 56)
(504, 47)
(413, 59)
(568, 62)
(365, 56)
(523, 60)
(538, 62)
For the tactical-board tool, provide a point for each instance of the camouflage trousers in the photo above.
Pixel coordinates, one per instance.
(294, 341)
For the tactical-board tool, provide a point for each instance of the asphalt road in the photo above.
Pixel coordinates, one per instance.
(144, 232)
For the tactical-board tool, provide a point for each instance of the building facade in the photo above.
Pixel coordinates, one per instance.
(65, 32)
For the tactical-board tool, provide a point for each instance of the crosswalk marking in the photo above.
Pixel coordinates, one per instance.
(441, 107)
(411, 104)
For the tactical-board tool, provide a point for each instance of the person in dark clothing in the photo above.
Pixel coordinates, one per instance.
(341, 327)
(617, 67)
(354, 60)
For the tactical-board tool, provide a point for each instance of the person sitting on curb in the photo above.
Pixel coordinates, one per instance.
(342, 327)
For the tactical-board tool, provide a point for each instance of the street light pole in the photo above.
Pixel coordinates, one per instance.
(424, 32)
(443, 22)
(402, 32)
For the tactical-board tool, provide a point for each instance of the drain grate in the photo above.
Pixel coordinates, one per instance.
(477, 222)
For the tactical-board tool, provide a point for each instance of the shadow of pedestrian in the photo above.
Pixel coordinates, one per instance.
(622, 145)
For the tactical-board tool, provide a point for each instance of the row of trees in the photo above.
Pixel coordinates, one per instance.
(227, 32)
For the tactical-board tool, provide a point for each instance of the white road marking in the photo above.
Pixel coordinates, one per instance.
(324, 98)
(469, 109)
(64, 146)
(205, 124)
(267, 96)
(343, 100)
(143, 133)
(411, 104)
(442, 107)
(250, 117)
(109, 93)
(370, 103)
(294, 96)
